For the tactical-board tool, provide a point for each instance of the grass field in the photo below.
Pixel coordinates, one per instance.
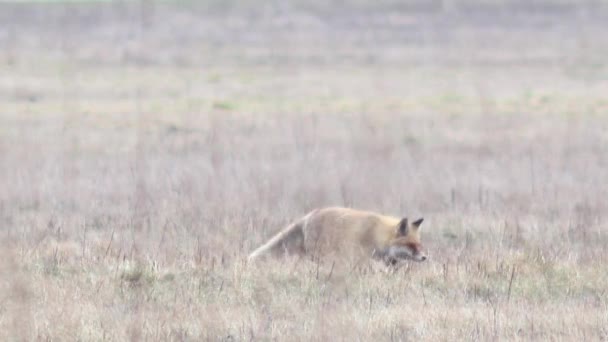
(147, 148)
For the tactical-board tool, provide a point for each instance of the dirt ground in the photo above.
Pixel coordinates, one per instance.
(146, 148)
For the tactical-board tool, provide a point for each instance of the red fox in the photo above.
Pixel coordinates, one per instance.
(344, 231)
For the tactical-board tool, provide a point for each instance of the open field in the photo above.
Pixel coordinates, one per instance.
(146, 149)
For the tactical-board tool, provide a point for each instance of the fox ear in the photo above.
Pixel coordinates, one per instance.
(418, 222)
(403, 227)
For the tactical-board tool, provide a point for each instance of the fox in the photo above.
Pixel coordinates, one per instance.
(348, 232)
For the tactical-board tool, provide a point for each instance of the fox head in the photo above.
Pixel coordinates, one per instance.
(406, 244)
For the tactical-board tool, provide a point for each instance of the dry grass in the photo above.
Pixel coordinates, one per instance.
(142, 159)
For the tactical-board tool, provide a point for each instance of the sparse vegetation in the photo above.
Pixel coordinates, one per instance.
(145, 151)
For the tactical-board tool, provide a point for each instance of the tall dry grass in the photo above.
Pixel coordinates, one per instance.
(141, 160)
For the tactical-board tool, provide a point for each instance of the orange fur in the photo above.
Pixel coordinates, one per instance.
(348, 232)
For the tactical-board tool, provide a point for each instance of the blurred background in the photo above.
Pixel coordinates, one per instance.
(182, 133)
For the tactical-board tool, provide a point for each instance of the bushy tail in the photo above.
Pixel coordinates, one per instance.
(276, 241)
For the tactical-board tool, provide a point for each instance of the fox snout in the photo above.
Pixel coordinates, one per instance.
(420, 257)
(404, 252)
